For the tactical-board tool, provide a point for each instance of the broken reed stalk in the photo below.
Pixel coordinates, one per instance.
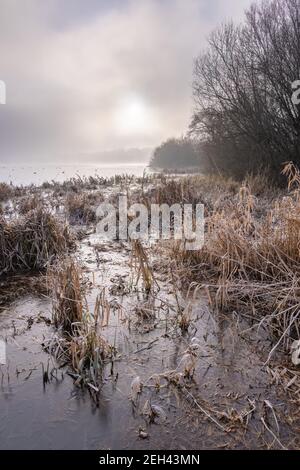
(142, 265)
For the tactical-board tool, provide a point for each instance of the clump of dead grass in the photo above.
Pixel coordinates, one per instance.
(68, 302)
(30, 243)
(79, 209)
(30, 203)
(80, 342)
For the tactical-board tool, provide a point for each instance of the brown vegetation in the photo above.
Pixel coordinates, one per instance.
(80, 342)
(251, 257)
(30, 243)
(64, 282)
(6, 192)
(30, 203)
(79, 209)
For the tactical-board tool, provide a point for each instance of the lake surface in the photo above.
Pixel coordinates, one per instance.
(38, 174)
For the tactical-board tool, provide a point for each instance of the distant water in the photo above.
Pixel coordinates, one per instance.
(28, 174)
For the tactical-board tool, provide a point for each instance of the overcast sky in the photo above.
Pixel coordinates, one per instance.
(84, 76)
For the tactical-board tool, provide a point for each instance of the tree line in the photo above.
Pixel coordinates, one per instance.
(244, 118)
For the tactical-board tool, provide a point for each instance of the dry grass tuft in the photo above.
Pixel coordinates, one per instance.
(32, 242)
(30, 203)
(80, 342)
(68, 308)
(79, 209)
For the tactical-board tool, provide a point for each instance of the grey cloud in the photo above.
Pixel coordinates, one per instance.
(69, 66)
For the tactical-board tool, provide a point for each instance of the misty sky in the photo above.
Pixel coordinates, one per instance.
(84, 76)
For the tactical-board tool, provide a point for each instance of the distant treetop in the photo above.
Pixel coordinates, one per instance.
(175, 154)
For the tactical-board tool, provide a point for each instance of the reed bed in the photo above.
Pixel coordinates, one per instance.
(30, 243)
(212, 191)
(79, 183)
(250, 261)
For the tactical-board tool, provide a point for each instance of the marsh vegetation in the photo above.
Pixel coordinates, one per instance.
(207, 338)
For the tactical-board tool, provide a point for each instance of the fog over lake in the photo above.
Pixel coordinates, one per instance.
(38, 174)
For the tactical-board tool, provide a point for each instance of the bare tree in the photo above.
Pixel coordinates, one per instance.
(243, 112)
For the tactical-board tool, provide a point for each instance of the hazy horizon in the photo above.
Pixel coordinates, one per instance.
(97, 77)
(109, 157)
